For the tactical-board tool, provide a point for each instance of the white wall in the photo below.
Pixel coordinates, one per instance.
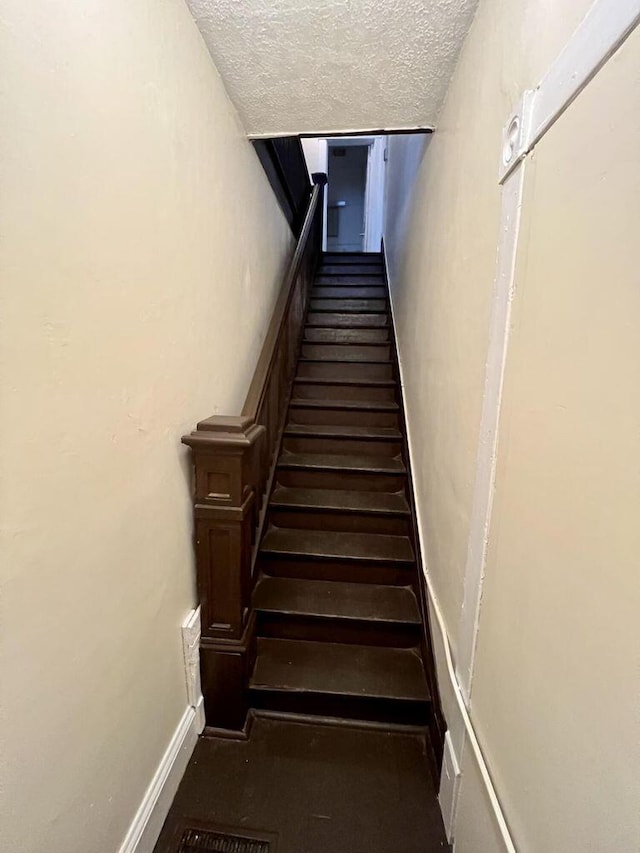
(555, 688)
(142, 252)
(316, 153)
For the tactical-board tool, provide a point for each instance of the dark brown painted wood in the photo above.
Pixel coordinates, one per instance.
(347, 321)
(318, 788)
(327, 545)
(317, 334)
(344, 281)
(349, 306)
(349, 291)
(337, 134)
(284, 163)
(344, 371)
(370, 268)
(336, 669)
(338, 549)
(233, 460)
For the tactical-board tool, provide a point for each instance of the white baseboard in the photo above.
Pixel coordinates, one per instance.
(147, 823)
(449, 786)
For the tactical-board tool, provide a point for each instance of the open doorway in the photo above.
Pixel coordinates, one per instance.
(346, 195)
(354, 201)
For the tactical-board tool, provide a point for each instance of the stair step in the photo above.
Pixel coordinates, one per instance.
(359, 405)
(342, 370)
(347, 281)
(352, 258)
(318, 334)
(336, 600)
(340, 509)
(349, 306)
(339, 669)
(328, 390)
(347, 321)
(337, 545)
(343, 462)
(384, 413)
(338, 439)
(348, 291)
(372, 433)
(371, 268)
(346, 352)
(338, 500)
(346, 382)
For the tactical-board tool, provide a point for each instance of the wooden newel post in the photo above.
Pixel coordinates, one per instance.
(226, 453)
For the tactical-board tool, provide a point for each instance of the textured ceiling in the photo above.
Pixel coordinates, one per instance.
(292, 66)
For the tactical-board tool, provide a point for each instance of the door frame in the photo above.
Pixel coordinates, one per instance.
(374, 190)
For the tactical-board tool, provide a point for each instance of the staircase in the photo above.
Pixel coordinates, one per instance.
(338, 624)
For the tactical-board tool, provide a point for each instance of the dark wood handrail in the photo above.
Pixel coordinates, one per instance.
(257, 387)
(233, 458)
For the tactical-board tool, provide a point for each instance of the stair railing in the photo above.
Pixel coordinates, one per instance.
(233, 458)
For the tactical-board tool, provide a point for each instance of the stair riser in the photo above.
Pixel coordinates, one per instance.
(341, 371)
(342, 417)
(351, 522)
(306, 478)
(346, 352)
(336, 570)
(321, 629)
(349, 446)
(349, 306)
(318, 391)
(371, 268)
(344, 707)
(349, 279)
(351, 258)
(348, 291)
(348, 321)
(314, 334)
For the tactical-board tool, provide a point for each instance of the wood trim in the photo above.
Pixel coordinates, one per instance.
(329, 134)
(286, 168)
(605, 27)
(233, 460)
(487, 451)
(437, 723)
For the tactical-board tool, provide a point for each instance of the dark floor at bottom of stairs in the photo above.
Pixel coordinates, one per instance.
(314, 789)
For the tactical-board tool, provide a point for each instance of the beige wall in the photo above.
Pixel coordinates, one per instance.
(560, 616)
(142, 254)
(443, 262)
(555, 692)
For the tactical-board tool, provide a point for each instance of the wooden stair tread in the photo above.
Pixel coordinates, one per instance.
(362, 405)
(372, 353)
(347, 321)
(320, 335)
(336, 600)
(341, 259)
(345, 381)
(344, 284)
(342, 462)
(332, 545)
(337, 669)
(340, 500)
(348, 306)
(375, 433)
(371, 268)
(348, 291)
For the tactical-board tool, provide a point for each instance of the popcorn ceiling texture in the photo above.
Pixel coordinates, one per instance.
(316, 67)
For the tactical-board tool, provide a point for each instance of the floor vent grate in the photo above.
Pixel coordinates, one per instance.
(212, 841)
